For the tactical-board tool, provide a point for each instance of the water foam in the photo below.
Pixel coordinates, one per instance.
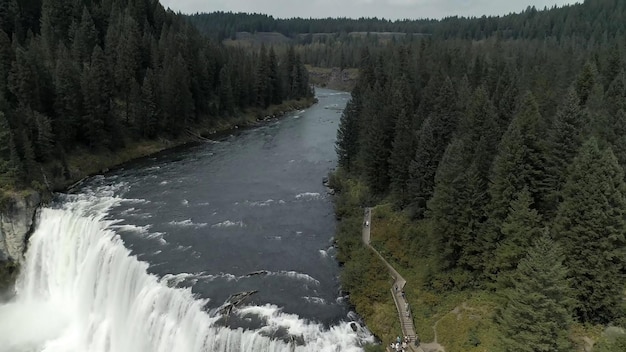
(229, 223)
(308, 195)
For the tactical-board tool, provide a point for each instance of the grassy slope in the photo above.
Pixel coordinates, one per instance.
(464, 319)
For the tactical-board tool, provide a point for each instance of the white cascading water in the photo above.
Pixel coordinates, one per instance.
(80, 290)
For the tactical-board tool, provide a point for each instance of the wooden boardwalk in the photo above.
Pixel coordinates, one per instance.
(397, 290)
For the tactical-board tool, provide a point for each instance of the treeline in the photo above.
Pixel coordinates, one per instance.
(587, 21)
(509, 155)
(94, 74)
(332, 42)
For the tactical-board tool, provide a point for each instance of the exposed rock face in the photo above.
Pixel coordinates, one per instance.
(334, 78)
(16, 222)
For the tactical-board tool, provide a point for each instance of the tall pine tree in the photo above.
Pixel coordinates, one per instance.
(537, 314)
(590, 225)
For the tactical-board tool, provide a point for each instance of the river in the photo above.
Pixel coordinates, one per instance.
(146, 257)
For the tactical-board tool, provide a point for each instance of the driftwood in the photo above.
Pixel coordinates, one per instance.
(235, 300)
(199, 137)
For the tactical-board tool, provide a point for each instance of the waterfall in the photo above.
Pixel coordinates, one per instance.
(81, 290)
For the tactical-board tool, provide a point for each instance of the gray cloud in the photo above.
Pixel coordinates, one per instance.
(392, 9)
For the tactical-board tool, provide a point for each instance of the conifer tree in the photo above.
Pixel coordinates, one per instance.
(564, 139)
(150, 111)
(262, 90)
(128, 61)
(5, 152)
(177, 100)
(446, 208)
(227, 103)
(586, 81)
(275, 86)
(520, 228)
(376, 141)
(590, 225)
(347, 144)
(22, 80)
(432, 140)
(537, 316)
(96, 86)
(401, 156)
(55, 23)
(518, 164)
(68, 98)
(6, 57)
(85, 37)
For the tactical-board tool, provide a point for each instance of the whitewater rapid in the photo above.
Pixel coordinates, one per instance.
(81, 290)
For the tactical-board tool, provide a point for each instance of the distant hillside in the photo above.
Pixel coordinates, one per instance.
(589, 20)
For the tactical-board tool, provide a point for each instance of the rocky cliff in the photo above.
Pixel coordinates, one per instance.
(17, 215)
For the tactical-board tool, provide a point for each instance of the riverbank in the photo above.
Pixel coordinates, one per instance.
(83, 163)
(363, 275)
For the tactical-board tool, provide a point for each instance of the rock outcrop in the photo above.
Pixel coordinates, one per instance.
(333, 78)
(17, 216)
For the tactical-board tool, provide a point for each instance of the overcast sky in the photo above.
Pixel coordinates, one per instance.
(392, 9)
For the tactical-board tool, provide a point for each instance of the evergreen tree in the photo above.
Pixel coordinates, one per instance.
(401, 156)
(56, 20)
(586, 81)
(6, 58)
(85, 38)
(68, 98)
(536, 316)
(275, 86)
(23, 80)
(564, 139)
(150, 112)
(518, 164)
(448, 207)
(590, 225)
(263, 85)
(347, 145)
(377, 128)
(44, 141)
(619, 145)
(5, 152)
(227, 103)
(177, 100)
(128, 61)
(96, 86)
(8, 13)
(520, 228)
(433, 138)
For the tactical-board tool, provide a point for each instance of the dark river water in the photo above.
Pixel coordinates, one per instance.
(252, 202)
(146, 257)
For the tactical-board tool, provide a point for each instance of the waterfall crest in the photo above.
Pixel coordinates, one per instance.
(82, 290)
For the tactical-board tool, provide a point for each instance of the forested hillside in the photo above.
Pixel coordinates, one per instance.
(94, 75)
(507, 156)
(589, 20)
(336, 42)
